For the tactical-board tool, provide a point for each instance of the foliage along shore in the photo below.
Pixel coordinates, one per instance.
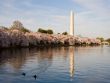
(18, 36)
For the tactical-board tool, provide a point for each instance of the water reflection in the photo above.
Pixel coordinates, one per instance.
(55, 65)
(71, 53)
(15, 58)
(36, 61)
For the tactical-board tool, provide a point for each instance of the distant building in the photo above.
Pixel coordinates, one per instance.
(105, 43)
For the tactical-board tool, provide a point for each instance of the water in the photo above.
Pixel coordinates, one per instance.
(55, 65)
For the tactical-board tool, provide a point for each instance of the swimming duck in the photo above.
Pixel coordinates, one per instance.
(23, 74)
(35, 76)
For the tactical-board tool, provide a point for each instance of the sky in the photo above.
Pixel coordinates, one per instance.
(92, 17)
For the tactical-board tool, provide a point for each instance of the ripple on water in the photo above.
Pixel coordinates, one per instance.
(90, 65)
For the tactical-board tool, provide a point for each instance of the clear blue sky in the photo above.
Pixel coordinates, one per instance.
(92, 17)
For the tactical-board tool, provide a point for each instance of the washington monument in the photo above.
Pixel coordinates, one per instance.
(71, 23)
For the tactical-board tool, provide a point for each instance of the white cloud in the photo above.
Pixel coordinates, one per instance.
(34, 17)
(100, 7)
(94, 20)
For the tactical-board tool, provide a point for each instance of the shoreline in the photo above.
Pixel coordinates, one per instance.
(18, 39)
(43, 47)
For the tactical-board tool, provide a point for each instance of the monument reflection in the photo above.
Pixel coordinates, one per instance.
(71, 59)
(35, 60)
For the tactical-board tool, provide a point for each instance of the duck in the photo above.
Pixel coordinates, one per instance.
(35, 76)
(23, 74)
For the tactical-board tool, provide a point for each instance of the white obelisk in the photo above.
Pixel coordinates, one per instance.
(71, 23)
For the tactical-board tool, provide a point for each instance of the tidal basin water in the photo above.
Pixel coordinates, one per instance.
(55, 65)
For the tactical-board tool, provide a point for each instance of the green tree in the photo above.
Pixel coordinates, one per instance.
(108, 40)
(100, 38)
(19, 26)
(65, 33)
(58, 33)
(25, 30)
(49, 31)
(41, 30)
